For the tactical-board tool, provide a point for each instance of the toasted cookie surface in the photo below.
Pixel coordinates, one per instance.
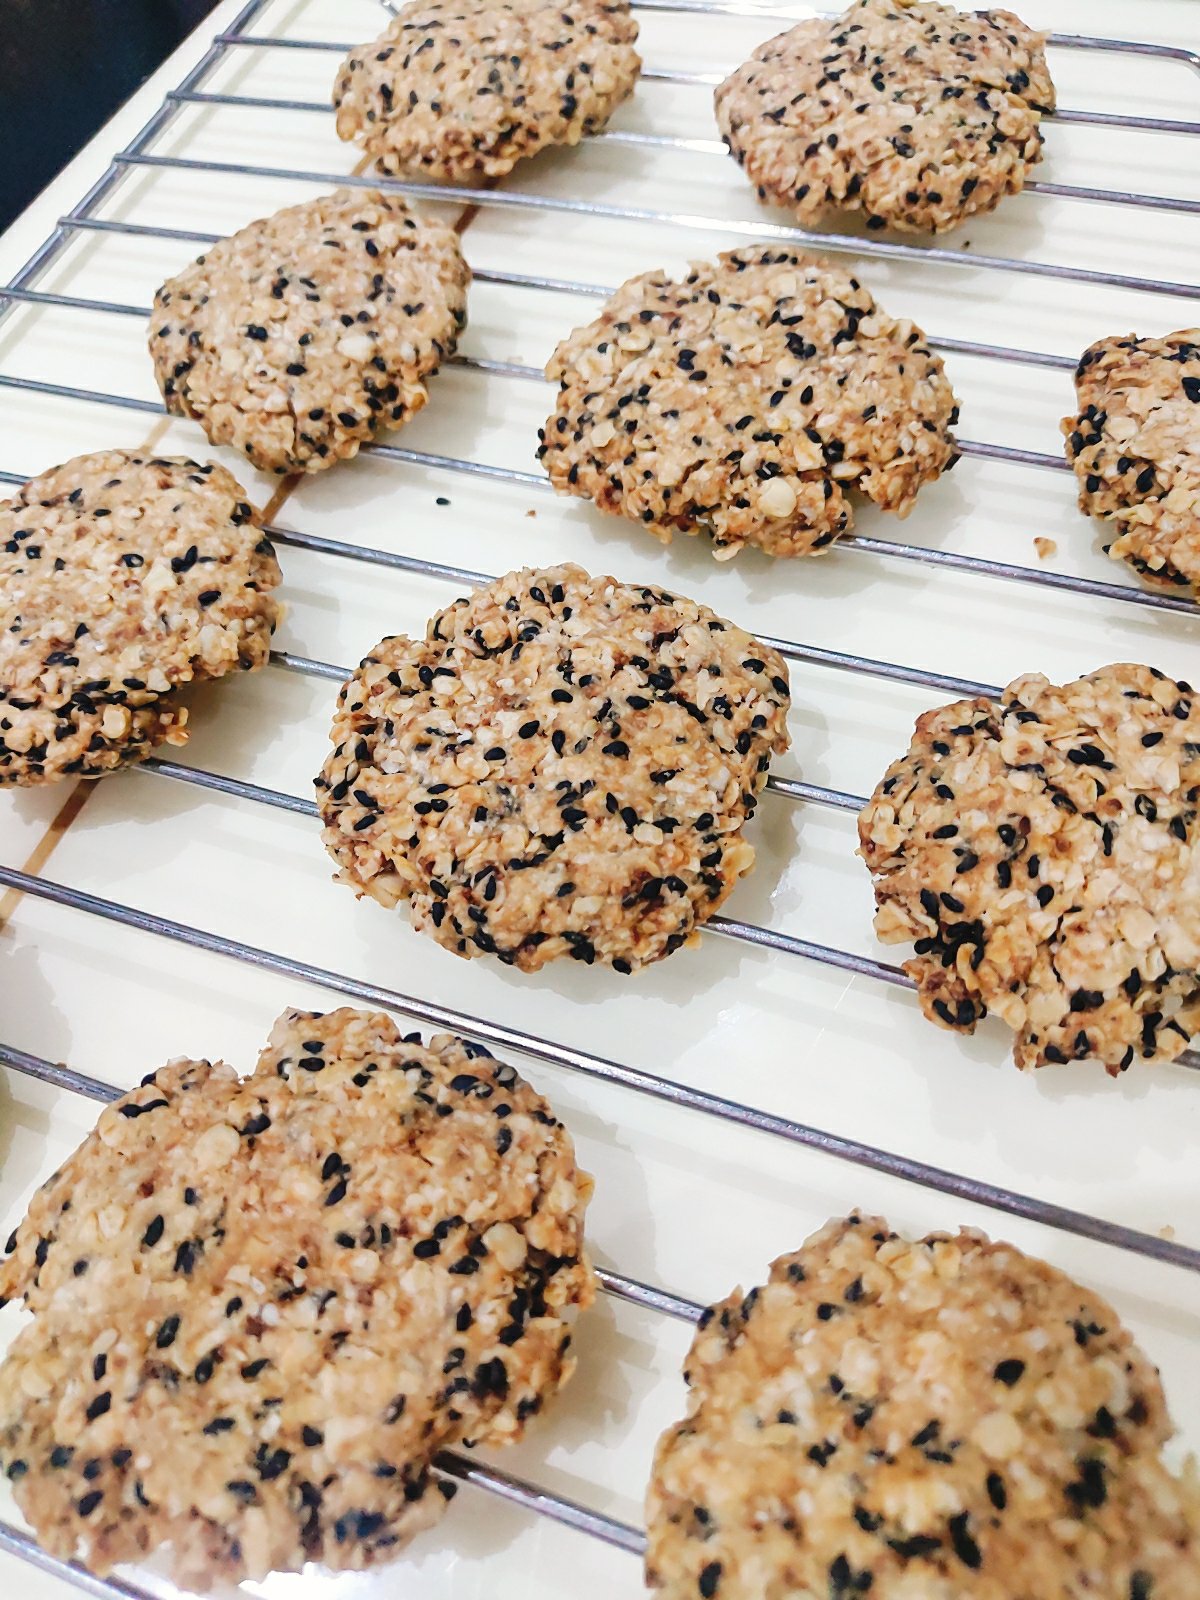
(914, 113)
(941, 1419)
(298, 339)
(563, 766)
(123, 576)
(464, 89)
(1135, 447)
(1043, 851)
(261, 1306)
(746, 400)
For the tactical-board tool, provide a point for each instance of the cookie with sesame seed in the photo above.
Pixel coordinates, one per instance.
(262, 1306)
(1135, 447)
(123, 577)
(461, 90)
(748, 401)
(300, 338)
(1043, 850)
(563, 766)
(944, 1418)
(913, 113)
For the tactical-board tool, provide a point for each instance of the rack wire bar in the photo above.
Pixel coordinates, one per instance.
(532, 480)
(556, 1507)
(811, 655)
(923, 555)
(63, 391)
(646, 1295)
(745, 932)
(748, 8)
(1065, 41)
(506, 199)
(16, 1542)
(979, 449)
(716, 147)
(503, 1485)
(53, 245)
(977, 1191)
(636, 1293)
(967, 347)
(527, 280)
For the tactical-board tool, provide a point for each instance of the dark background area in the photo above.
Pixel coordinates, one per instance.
(65, 67)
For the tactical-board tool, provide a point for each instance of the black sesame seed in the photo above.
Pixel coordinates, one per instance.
(166, 1333)
(965, 1548)
(709, 1580)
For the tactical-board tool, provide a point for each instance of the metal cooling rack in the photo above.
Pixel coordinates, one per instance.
(85, 217)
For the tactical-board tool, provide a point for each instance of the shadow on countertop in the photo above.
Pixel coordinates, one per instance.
(65, 67)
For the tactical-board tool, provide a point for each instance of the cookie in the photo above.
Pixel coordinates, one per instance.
(123, 576)
(1135, 447)
(563, 766)
(298, 339)
(747, 401)
(942, 1419)
(261, 1306)
(915, 114)
(464, 89)
(1043, 851)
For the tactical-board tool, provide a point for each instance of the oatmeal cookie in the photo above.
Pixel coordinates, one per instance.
(746, 400)
(464, 89)
(123, 576)
(1043, 851)
(913, 113)
(1135, 447)
(946, 1419)
(261, 1306)
(563, 766)
(298, 339)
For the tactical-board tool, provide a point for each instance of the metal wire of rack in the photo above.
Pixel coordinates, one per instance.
(84, 217)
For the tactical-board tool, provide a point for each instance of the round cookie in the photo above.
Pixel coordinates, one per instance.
(945, 1419)
(746, 400)
(461, 90)
(1044, 853)
(298, 339)
(913, 113)
(1135, 447)
(262, 1306)
(562, 767)
(123, 576)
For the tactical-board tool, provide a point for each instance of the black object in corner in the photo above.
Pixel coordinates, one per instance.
(65, 67)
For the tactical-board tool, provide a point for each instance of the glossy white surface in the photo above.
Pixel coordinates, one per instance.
(682, 1199)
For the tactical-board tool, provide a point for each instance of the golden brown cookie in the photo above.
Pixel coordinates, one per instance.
(300, 338)
(464, 89)
(123, 577)
(1135, 447)
(261, 1306)
(563, 766)
(747, 401)
(945, 1419)
(914, 113)
(1043, 851)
